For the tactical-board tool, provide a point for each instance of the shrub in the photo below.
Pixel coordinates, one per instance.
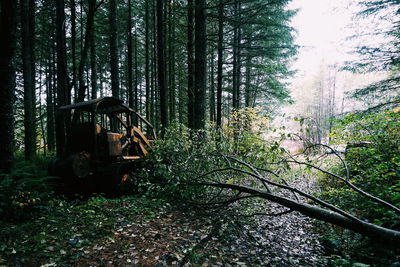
(26, 189)
(373, 158)
(182, 155)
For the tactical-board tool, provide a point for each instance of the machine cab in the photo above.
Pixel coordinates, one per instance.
(104, 131)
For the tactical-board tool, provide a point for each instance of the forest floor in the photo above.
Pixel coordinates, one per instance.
(133, 231)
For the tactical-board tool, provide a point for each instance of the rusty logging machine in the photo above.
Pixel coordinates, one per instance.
(103, 144)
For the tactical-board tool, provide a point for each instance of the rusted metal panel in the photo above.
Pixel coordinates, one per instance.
(114, 144)
(81, 164)
(137, 132)
(131, 157)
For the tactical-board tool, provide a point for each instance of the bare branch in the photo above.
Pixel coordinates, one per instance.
(382, 234)
(347, 182)
(267, 214)
(316, 200)
(340, 158)
(252, 169)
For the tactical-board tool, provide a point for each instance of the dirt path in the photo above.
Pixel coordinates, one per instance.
(182, 236)
(138, 231)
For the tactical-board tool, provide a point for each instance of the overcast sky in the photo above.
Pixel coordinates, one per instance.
(322, 26)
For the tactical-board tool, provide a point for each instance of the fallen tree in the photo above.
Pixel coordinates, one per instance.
(173, 168)
(321, 210)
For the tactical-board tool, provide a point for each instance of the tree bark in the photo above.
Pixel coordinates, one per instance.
(212, 87)
(73, 46)
(236, 57)
(385, 235)
(27, 36)
(163, 91)
(190, 63)
(50, 103)
(155, 110)
(247, 96)
(136, 80)
(93, 63)
(130, 70)
(84, 55)
(61, 77)
(114, 49)
(8, 12)
(147, 64)
(200, 74)
(219, 64)
(171, 62)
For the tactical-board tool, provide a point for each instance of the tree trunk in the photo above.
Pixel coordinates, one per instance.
(136, 84)
(147, 64)
(236, 57)
(93, 64)
(73, 46)
(114, 49)
(247, 96)
(41, 114)
(130, 74)
(27, 18)
(86, 46)
(200, 74)
(154, 92)
(61, 77)
(161, 65)
(212, 89)
(385, 235)
(190, 64)
(219, 67)
(8, 13)
(50, 105)
(171, 61)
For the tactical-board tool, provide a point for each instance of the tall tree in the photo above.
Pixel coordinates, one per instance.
(171, 60)
(50, 42)
(147, 63)
(50, 104)
(27, 15)
(93, 64)
(380, 51)
(212, 87)
(236, 56)
(73, 45)
(62, 82)
(190, 63)
(114, 49)
(89, 38)
(220, 61)
(129, 43)
(163, 90)
(200, 79)
(247, 95)
(8, 12)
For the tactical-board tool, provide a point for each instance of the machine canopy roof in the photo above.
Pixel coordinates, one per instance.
(100, 105)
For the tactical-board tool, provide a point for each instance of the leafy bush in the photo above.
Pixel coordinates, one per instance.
(373, 158)
(182, 155)
(26, 189)
(173, 162)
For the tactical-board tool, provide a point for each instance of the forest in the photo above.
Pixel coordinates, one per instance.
(174, 133)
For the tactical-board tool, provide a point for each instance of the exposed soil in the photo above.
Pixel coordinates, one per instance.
(184, 236)
(135, 232)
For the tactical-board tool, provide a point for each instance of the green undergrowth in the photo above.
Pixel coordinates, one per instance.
(66, 228)
(27, 189)
(373, 161)
(179, 161)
